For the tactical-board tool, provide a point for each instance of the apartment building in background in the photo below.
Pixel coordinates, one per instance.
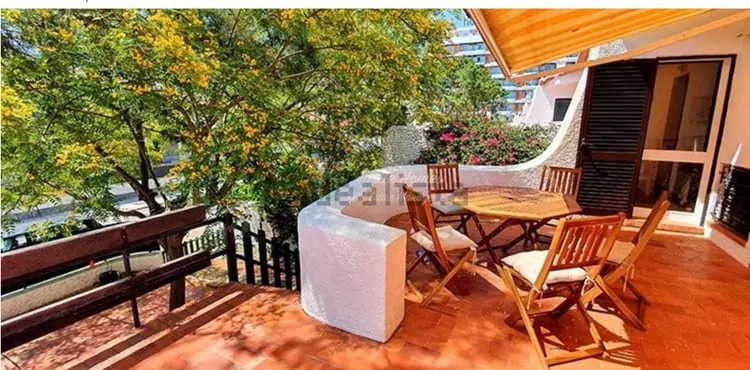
(466, 42)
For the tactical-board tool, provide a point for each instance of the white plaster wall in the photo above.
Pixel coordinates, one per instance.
(63, 286)
(353, 266)
(542, 106)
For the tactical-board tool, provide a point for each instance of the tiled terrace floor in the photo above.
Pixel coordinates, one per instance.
(698, 319)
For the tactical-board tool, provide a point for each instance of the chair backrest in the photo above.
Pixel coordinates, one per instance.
(652, 221)
(643, 236)
(561, 180)
(420, 213)
(584, 242)
(442, 178)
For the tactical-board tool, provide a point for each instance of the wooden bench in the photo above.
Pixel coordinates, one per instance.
(45, 259)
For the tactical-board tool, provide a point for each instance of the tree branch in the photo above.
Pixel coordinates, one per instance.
(136, 130)
(132, 181)
(295, 75)
(306, 50)
(276, 60)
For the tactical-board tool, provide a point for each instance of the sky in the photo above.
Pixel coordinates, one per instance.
(458, 18)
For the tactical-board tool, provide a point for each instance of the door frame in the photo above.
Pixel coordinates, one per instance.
(710, 156)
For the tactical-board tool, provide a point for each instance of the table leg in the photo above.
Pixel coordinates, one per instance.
(487, 238)
(515, 241)
(527, 237)
(484, 238)
(533, 228)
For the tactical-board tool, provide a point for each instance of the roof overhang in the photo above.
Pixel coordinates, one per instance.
(523, 38)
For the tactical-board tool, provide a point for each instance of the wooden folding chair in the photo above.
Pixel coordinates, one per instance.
(621, 262)
(561, 180)
(443, 179)
(555, 278)
(441, 244)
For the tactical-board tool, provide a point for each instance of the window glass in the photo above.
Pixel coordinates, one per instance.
(561, 107)
(682, 106)
(681, 180)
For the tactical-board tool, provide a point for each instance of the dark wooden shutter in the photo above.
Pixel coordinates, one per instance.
(614, 119)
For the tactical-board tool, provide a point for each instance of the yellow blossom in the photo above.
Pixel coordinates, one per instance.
(287, 13)
(250, 130)
(65, 34)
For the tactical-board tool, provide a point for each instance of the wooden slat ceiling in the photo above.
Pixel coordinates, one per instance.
(523, 38)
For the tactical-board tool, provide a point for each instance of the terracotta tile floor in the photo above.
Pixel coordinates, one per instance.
(698, 319)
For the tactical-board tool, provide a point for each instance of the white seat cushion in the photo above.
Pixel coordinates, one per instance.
(529, 265)
(620, 251)
(450, 239)
(448, 208)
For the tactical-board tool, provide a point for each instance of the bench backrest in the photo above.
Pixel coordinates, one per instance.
(26, 264)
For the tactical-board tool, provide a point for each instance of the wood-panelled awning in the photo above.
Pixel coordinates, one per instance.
(523, 38)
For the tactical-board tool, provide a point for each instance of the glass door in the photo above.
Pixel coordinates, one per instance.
(684, 120)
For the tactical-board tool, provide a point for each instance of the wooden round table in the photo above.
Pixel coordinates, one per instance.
(529, 208)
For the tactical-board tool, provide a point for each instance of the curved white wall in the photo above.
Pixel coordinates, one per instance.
(353, 266)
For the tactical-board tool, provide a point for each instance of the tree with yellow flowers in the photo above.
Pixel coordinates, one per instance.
(270, 106)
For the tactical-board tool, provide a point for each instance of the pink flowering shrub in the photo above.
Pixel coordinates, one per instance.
(485, 143)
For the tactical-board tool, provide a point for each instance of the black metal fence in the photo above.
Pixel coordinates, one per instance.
(732, 207)
(267, 260)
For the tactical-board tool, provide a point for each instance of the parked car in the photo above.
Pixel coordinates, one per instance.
(54, 232)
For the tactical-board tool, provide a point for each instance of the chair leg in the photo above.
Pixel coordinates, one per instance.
(464, 224)
(416, 291)
(594, 349)
(642, 301)
(527, 322)
(435, 263)
(414, 264)
(637, 293)
(468, 256)
(619, 303)
(590, 295)
(564, 306)
(592, 327)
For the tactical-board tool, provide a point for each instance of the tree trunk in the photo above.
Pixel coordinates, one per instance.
(173, 247)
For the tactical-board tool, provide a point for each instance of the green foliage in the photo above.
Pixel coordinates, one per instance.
(472, 92)
(486, 143)
(269, 106)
